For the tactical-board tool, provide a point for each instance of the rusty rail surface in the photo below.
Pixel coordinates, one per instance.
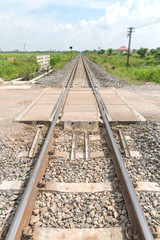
(135, 213)
(24, 211)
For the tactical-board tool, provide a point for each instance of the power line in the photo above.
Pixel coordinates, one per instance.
(148, 23)
(116, 39)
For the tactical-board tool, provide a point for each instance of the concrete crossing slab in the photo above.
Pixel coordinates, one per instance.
(53, 91)
(47, 99)
(80, 106)
(80, 89)
(121, 113)
(80, 116)
(80, 96)
(43, 107)
(80, 101)
(80, 109)
(39, 113)
(107, 91)
(80, 93)
(119, 110)
(112, 101)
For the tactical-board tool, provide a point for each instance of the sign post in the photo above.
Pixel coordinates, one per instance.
(71, 50)
(44, 62)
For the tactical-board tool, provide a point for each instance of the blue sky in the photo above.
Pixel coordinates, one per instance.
(69, 14)
(85, 24)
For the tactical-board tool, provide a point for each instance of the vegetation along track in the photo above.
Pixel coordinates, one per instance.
(79, 187)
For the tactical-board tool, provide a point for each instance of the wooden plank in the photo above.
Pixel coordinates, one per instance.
(124, 143)
(11, 185)
(35, 143)
(97, 154)
(74, 146)
(148, 187)
(78, 234)
(16, 185)
(62, 154)
(77, 187)
(87, 146)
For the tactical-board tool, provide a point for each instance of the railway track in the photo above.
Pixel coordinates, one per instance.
(79, 187)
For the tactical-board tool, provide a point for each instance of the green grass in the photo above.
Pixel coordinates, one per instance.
(59, 60)
(141, 69)
(24, 65)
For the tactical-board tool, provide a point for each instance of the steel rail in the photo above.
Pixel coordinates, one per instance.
(21, 220)
(55, 107)
(104, 106)
(132, 203)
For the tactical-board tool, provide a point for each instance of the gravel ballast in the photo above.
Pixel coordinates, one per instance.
(102, 78)
(14, 149)
(9, 202)
(80, 210)
(150, 203)
(15, 163)
(60, 77)
(62, 169)
(144, 138)
(94, 170)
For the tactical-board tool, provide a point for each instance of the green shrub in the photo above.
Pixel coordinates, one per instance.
(58, 60)
(140, 70)
(24, 65)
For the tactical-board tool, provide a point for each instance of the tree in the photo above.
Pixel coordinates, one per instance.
(110, 51)
(102, 51)
(134, 51)
(157, 54)
(153, 51)
(142, 52)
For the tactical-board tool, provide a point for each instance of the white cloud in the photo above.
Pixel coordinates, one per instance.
(129, 3)
(110, 30)
(116, 12)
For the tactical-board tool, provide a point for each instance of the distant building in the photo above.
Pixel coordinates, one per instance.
(122, 49)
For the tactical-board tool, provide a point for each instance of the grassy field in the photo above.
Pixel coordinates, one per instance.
(23, 65)
(141, 69)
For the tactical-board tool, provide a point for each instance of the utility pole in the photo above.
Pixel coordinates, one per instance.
(24, 44)
(0, 48)
(129, 43)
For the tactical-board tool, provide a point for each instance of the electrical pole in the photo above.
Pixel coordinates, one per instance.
(129, 44)
(0, 48)
(24, 44)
